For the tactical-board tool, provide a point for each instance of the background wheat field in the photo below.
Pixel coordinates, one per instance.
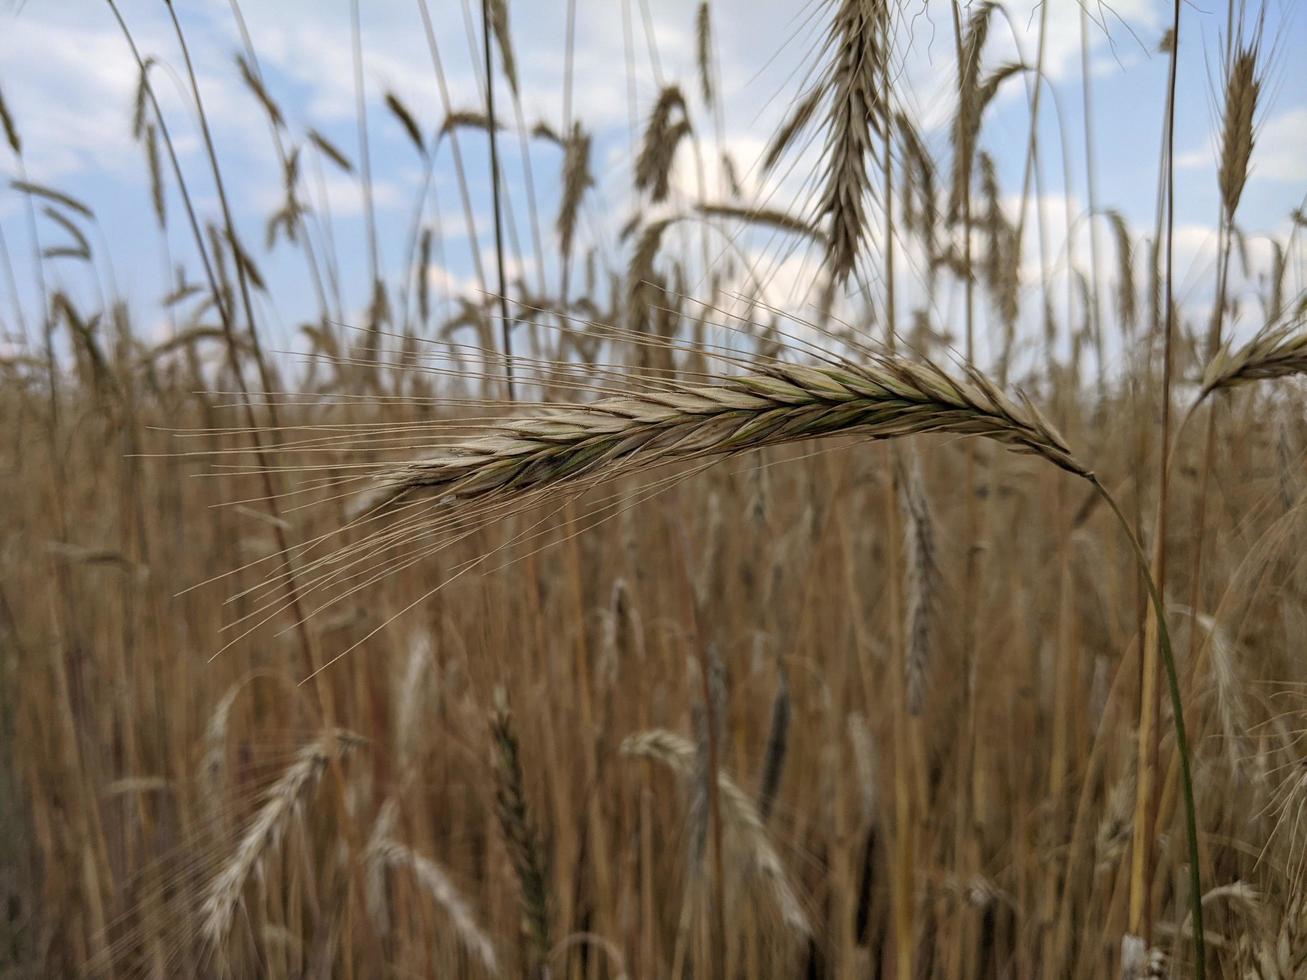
(790, 489)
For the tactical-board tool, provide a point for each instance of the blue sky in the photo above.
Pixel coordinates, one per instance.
(69, 81)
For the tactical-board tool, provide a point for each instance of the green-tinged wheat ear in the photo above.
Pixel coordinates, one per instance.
(1276, 353)
(883, 399)
(525, 849)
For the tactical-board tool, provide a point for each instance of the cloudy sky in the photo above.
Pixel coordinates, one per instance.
(69, 80)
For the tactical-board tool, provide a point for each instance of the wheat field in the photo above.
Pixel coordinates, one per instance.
(625, 558)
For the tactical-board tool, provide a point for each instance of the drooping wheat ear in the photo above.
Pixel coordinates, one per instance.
(467, 119)
(795, 123)
(525, 850)
(1126, 300)
(662, 136)
(1275, 353)
(407, 121)
(56, 196)
(577, 179)
(266, 829)
(703, 48)
(768, 217)
(746, 839)
(331, 151)
(385, 853)
(1242, 86)
(11, 130)
(499, 27)
(778, 740)
(882, 399)
(623, 636)
(966, 123)
(255, 84)
(922, 574)
(858, 110)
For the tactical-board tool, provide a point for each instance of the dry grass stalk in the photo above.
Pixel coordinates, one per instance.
(264, 832)
(746, 838)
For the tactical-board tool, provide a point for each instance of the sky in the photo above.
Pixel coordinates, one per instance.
(69, 80)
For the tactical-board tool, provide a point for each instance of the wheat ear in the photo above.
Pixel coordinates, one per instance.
(884, 399)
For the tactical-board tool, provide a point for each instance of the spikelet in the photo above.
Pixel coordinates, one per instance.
(499, 28)
(11, 130)
(703, 49)
(802, 114)
(921, 572)
(255, 84)
(577, 179)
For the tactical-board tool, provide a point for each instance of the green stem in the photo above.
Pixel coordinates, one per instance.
(1181, 739)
